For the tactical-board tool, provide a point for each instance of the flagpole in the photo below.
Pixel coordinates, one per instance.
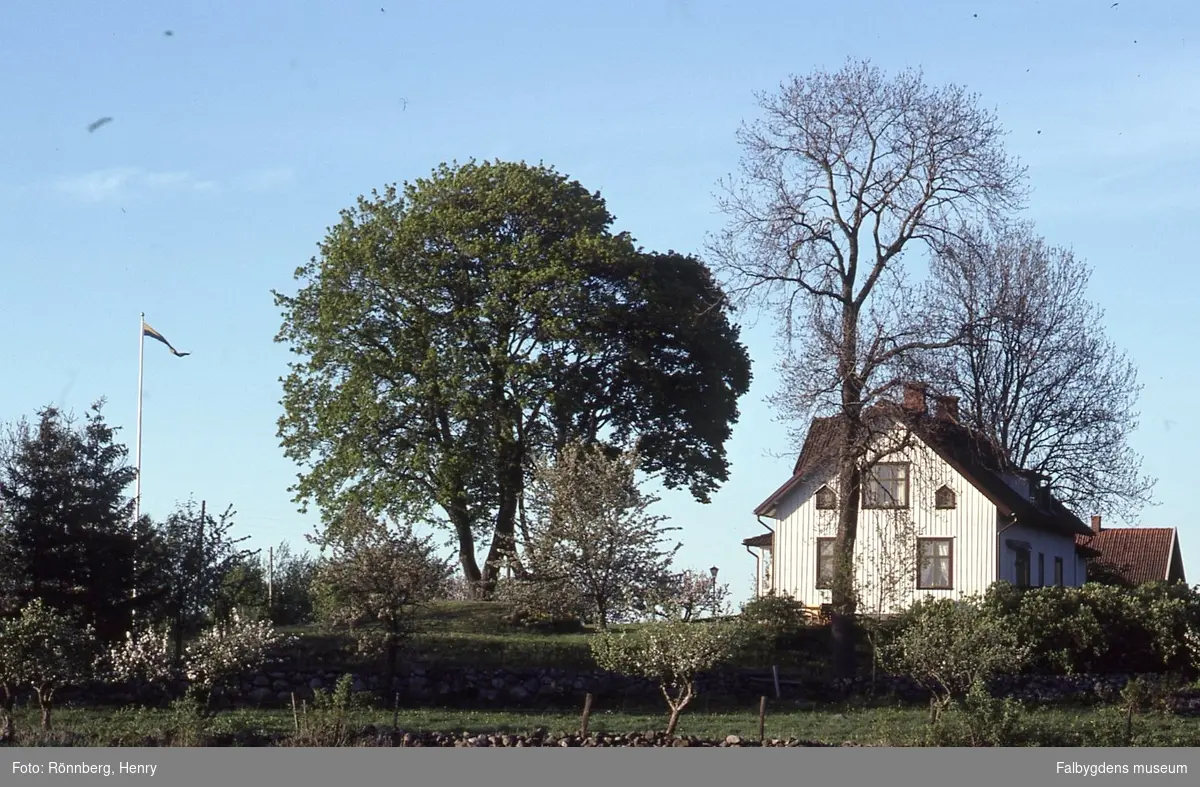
(137, 481)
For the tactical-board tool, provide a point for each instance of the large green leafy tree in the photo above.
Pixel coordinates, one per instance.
(450, 330)
(66, 520)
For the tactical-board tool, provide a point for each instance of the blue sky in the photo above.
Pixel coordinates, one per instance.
(236, 141)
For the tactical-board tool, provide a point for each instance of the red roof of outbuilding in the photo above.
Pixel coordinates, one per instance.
(1137, 554)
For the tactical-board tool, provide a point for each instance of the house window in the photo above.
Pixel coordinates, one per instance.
(826, 549)
(1041, 569)
(936, 571)
(886, 486)
(1058, 571)
(945, 498)
(1021, 568)
(768, 560)
(826, 499)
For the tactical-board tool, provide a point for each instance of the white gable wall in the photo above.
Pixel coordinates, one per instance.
(972, 525)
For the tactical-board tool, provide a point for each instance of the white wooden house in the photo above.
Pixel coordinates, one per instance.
(941, 515)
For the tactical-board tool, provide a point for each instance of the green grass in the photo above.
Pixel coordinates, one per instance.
(478, 634)
(889, 726)
(457, 633)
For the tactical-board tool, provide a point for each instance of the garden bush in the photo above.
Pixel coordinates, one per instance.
(947, 647)
(1102, 628)
(776, 622)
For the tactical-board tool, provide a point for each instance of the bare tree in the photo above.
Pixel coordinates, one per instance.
(846, 173)
(1039, 377)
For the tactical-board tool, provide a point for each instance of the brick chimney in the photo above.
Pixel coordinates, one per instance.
(914, 397)
(1096, 524)
(947, 408)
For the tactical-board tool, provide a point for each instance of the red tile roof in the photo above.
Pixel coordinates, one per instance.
(1136, 554)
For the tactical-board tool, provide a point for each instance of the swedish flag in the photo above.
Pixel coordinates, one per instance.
(153, 334)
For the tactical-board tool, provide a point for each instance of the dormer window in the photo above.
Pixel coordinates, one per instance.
(826, 499)
(945, 497)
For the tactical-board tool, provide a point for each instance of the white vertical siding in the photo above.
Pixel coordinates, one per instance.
(763, 570)
(1051, 545)
(971, 525)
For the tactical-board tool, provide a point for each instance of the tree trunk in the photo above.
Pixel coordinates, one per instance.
(676, 705)
(7, 725)
(504, 543)
(503, 547)
(842, 625)
(673, 720)
(45, 699)
(459, 518)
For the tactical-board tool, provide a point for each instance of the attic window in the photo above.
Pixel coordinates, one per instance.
(944, 497)
(826, 499)
(886, 486)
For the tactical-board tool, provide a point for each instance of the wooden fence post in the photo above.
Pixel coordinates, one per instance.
(762, 718)
(587, 712)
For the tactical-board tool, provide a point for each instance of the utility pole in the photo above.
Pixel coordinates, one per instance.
(270, 579)
(713, 591)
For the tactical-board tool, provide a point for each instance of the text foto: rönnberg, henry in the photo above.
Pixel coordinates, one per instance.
(84, 768)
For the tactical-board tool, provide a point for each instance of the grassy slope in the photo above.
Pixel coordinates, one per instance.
(457, 633)
(477, 634)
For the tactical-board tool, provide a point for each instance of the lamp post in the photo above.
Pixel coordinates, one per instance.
(713, 571)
